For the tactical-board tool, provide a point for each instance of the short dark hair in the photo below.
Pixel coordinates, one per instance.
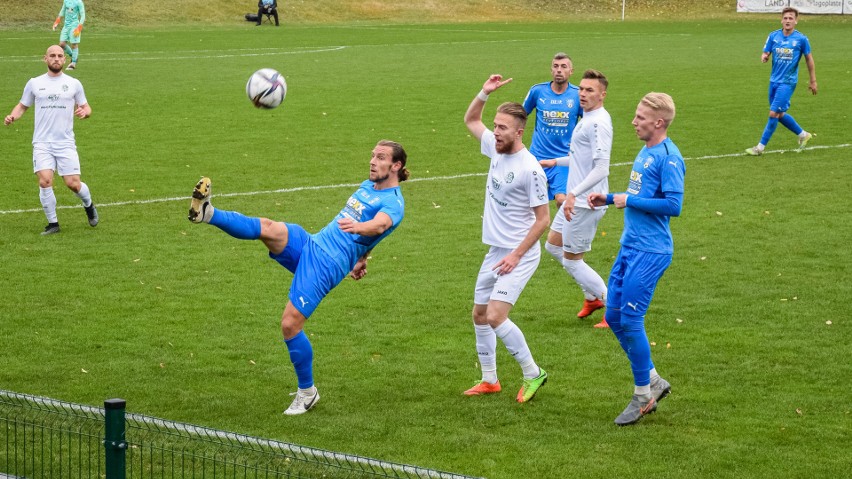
(562, 56)
(515, 110)
(596, 75)
(790, 9)
(398, 155)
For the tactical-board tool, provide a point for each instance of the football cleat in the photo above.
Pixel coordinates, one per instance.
(482, 388)
(590, 307)
(602, 325)
(754, 151)
(200, 210)
(305, 399)
(637, 408)
(804, 139)
(92, 214)
(660, 388)
(71, 66)
(51, 228)
(531, 386)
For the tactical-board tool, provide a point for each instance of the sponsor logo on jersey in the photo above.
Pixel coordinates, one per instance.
(495, 183)
(356, 206)
(53, 97)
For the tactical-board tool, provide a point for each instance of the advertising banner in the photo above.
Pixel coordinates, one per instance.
(818, 6)
(762, 6)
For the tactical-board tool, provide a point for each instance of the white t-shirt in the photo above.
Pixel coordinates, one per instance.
(54, 99)
(515, 185)
(591, 146)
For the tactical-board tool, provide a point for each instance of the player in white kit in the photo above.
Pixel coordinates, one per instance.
(588, 172)
(58, 98)
(516, 215)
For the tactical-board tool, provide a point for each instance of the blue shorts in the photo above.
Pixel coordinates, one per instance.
(557, 180)
(314, 272)
(633, 279)
(779, 96)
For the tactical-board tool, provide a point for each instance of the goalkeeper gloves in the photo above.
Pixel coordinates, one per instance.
(56, 23)
(77, 30)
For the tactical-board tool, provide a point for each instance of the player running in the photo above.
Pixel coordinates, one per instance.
(787, 46)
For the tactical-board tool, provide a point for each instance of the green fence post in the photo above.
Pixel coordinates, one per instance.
(114, 438)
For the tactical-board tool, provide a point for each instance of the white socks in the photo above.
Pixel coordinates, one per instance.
(486, 348)
(516, 343)
(48, 203)
(589, 280)
(84, 195)
(555, 251)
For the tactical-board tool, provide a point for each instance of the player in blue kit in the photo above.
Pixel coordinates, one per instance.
(654, 194)
(557, 107)
(319, 262)
(75, 14)
(786, 46)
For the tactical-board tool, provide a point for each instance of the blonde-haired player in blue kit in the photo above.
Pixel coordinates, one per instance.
(654, 194)
(74, 13)
(319, 262)
(787, 46)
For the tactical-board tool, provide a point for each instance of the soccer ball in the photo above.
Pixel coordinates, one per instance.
(266, 88)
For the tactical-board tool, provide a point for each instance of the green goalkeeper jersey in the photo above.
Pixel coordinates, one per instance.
(73, 11)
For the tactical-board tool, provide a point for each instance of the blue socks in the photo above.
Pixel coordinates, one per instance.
(236, 224)
(790, 122)
(771, 125)
(630, 331)
(302, 357)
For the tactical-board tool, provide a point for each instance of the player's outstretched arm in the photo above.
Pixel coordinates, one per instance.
(473, 115)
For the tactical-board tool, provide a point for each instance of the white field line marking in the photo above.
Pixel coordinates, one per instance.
(353, 185)
(93, 57)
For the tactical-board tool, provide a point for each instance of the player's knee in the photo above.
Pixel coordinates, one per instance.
(290, 325)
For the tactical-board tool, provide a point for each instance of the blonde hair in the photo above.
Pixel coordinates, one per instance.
(662, 104)
(515, 110)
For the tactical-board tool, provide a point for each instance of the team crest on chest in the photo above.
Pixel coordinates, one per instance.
(510, 177)
(64, 88)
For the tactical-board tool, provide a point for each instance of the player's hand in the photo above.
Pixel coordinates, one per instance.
(507, 264)
(764, 58)
(78, 30)
(568, 206)
(8, 120)
(347, 225)
(494, 82)
(82, 112)
(56, 23)
(596, 199)
(620, 201)
(360, 270)
(547, 163)
(812, 86)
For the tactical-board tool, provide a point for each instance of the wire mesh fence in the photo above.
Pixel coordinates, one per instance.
(42, 437)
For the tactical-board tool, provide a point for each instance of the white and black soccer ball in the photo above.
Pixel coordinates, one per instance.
(266, 88)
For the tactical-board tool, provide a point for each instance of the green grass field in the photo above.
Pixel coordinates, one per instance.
(182, 320)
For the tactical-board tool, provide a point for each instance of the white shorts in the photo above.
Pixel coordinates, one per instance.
(63, 159)
(506, 287)
(577, 234)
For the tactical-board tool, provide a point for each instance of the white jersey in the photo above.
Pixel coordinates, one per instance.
(591, 146)
(54, 99)
(515, 185)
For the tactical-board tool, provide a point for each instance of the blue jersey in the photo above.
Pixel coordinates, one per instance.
(656, 170)
(555, 119)
(345, 248)
(786, 52)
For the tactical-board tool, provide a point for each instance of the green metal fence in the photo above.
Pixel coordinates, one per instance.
(46, 438)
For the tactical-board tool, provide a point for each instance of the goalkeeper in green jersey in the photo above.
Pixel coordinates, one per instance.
(74, 13)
